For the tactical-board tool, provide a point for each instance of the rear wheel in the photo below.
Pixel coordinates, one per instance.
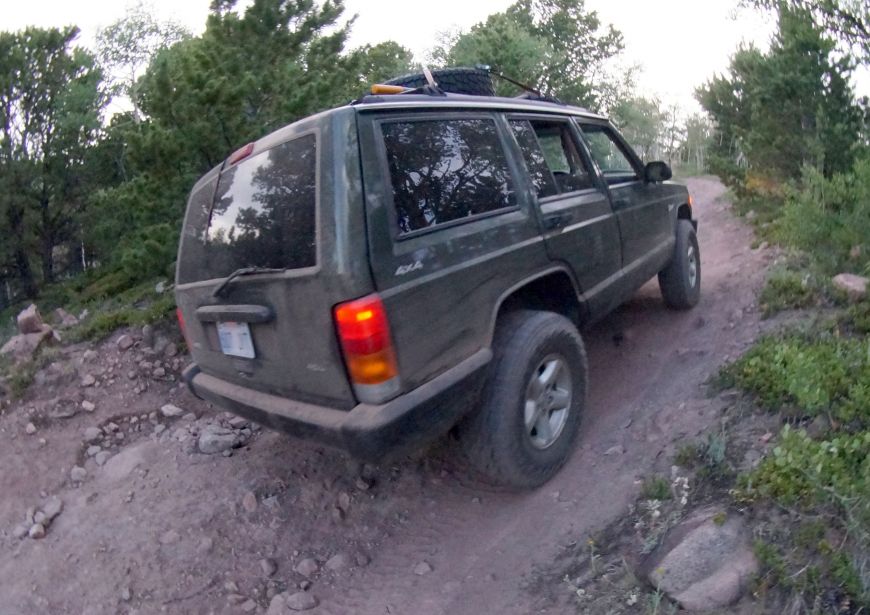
(680, 281)
(528, 421)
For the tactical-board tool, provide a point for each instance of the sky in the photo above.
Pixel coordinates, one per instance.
(677, 44)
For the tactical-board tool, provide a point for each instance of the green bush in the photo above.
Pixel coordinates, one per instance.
(786, 289)
(819, 376)
(830, 218)
(109, 319)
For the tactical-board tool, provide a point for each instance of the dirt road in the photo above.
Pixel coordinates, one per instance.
(160, 528)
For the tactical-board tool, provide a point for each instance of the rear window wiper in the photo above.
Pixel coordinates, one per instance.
(240, 272)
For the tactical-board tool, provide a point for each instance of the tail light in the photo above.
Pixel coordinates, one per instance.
(364, 333)
(182, 326)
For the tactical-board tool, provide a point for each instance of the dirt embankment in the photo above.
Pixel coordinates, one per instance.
(157, 526)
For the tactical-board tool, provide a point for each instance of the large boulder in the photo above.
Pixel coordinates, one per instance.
(29, 320)
(22, 347)
(704, 563)
(855, 286)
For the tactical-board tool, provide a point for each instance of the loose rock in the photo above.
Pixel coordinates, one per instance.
(37, 531)
(337, 562)
(249, 501)
(268, 566)
(52, 508)
(88, 406)
(215, 439)
(102, 457)
(30, 429)
(29, 320)
(125, 342)
(855, 286)
(93, 434)
(148, 335)
(703, 563)
(300, 601)
(307, 567)
(170, 410)
(88, 381)
(422, 568)
(78, 474)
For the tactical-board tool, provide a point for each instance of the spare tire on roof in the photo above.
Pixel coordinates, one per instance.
(475, 81)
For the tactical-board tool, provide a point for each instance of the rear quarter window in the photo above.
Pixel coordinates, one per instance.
(445, 170)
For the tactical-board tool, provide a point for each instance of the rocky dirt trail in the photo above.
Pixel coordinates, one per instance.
(152, 524)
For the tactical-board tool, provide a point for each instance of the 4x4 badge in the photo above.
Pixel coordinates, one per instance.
(403, 269)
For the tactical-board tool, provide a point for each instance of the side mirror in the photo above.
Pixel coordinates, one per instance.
(657, 171)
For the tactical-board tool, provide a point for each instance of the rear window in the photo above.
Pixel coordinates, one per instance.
(263, 214)
(445, 170)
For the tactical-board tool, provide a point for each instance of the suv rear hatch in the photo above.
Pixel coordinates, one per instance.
(288, 212)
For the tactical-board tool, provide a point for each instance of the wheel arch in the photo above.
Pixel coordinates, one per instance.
(553, 290)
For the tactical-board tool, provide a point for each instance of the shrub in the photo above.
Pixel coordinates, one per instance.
(830, 218)
(827, 375)
(786, 289)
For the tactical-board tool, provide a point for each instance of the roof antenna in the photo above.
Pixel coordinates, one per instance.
(519, 84)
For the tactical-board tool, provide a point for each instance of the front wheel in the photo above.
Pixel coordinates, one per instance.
(680, 281)
(528, 421)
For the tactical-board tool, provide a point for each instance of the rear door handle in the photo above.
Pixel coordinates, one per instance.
(558, 221)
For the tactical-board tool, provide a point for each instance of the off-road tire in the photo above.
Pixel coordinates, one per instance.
(475, 81)
(680, 289)
(494, 436)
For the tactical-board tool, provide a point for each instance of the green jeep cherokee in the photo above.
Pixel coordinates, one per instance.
(376, 274)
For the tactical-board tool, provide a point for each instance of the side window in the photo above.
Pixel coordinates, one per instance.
(552, 156)
(444, 170)
(608, 154)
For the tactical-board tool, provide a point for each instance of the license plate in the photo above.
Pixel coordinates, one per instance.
(235, 338)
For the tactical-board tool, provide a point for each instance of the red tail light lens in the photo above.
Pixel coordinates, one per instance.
(182, 326)
(364, 334)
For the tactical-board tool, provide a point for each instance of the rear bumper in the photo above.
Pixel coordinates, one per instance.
(368, 432)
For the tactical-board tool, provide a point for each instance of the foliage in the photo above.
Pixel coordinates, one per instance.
(111, 197)
(50, 105)
(779, 111)
(846, 20)
(858, 316)
(829, 476)
(555, 46)
(126, 46)
(828, 375)
(136, 306)
(786, 289)
(830, 217)
(642, 121)
(656, 488)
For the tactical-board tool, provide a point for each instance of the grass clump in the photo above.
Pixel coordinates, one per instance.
(111, 318)
(787, 290)
(656, 488)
